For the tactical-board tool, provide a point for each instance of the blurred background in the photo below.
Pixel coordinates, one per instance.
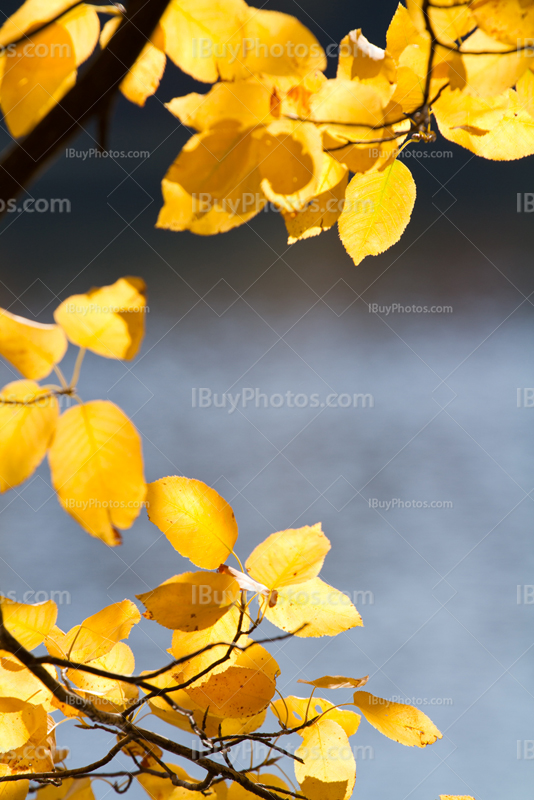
(424, 492)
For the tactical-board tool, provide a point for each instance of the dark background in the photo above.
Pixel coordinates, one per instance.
(244, 310)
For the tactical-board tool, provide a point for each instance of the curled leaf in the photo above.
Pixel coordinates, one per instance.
(336, 682)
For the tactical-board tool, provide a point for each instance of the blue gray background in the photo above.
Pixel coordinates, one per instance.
(436, 587)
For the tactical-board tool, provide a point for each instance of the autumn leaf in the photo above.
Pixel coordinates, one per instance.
(361, 61)
(336, 682)
(293, 712)
(97, 468)
(378, 207)
(97, 635)
(17, 681)
(186, 643)
(325, 208)
(163, 789)
(31, 347)
(110, 321)
(314, 609)
(237, 792)
(196, 520)
(289, 557)
(192, 601)
(107, 693)
(402, 723)
(29, 624)
(19, 722)
(13, 790)
(28, 416)
(329, 768)
(510, 138)
(489, 72)
(509, 21)
(75, 788)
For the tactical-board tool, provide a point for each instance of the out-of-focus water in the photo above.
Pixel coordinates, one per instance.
(437, 587)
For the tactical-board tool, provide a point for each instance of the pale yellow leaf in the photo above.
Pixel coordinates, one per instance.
(33, 348)
(143, 79)
(336, 682)
(401, 32)
(314, 609)
(162, 788)
(29, 624)
(97, 468)
(79, 788)
(347, 102)
(488, 71)
(237, 792)
(197, 521)
(511, 138)
(403, 723)
(509, 21)
(186, 643)
(289, 557)
(244, 103)
(28, 416)
(525, 91)
(97, 635)
(110, 321)
(324, 209)
(361, 61)
(293, 712)
(32, 85)
(377, 210)
(83, 27)
(459, 110)
(12, 790)
(329, 768)
(20, 722)
(215, 183)
(192, 601)
(17, 681)
(31, 15)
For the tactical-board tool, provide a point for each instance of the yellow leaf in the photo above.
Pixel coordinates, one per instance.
(185, 643)
(455, 797)
(289, 557)
(33, 348)
(83, 26)
(105, 693)
(12, 790)
(237, 792)
(361, 61)
(402, 723)
(459, 110)
(36, 754)
(97, 468)
(226, 39)
(26, 430)
(323, 610)
(35, 80)
(110, 321)
(492, 73)
(162, 788)
(509, 21)
(290, 163)
(525, 91)
(31, 15)
(336, 682)
(244, 103)
(214, 185)
(402, 32)
(203, 717)
(294, 711)
(237, 692)
(17, 681)
(196, 520)
(450, 20)
(347, 102)
(143, 79)
(325, 208)
(511, 138)
(80, 788)
(29, 624)
(192, 601)
(97, 635)
(377, 210)
(19, 722)
(329, 769)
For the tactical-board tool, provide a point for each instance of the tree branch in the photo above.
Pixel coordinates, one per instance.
(93, 92)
